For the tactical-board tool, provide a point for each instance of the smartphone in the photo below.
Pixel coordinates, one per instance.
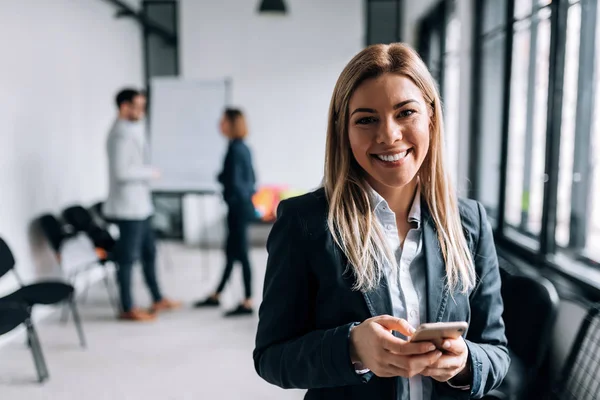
(438, 331)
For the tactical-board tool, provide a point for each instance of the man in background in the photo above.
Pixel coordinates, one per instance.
(129, 204)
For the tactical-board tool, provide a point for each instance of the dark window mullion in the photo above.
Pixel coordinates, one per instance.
(582, 173)
(508, 57)
(554, 118)
(476, 95)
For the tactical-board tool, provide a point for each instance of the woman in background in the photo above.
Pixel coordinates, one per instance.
(238, 182)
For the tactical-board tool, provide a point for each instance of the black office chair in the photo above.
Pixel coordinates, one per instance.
(581, 373)
(97, 209)
(54, 232)
(530, 310)
(11, 316)
(45, 292)
(81, 220)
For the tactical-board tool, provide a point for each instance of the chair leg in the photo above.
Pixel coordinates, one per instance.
(28, 337)
(111, 292)
(77, 321)
(36, 351)
(64, 315)
(86, 289)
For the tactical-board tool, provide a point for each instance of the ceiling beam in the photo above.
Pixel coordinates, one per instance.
(126, 11)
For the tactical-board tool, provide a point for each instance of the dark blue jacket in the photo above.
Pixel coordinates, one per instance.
(309, 305)
(238, 177)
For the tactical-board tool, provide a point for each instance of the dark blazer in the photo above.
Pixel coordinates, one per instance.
(238, 177)
(308, 307)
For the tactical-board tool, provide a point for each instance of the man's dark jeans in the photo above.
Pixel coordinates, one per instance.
(136, 242)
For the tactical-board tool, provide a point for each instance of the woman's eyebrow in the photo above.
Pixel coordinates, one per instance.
(372, 111)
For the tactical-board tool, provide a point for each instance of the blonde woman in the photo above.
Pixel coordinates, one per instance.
(384, 246)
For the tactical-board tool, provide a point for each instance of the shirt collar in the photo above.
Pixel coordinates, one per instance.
(379, 203)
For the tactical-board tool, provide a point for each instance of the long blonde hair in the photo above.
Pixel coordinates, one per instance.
(351, 219)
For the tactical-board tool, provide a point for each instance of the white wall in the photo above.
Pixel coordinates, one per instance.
(62, 64)
(283, 71)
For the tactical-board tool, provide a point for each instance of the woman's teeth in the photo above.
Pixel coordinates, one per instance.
(393, 157)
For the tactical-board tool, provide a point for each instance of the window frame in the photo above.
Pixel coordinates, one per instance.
(549, 254)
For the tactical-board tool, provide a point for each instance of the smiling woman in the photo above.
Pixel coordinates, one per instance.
(382, 247)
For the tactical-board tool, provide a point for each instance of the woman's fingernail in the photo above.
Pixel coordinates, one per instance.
(446, 345)
(411, 329)
(432, 348)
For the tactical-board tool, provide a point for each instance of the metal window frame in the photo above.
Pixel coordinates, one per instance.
(581, 190)
(508, 57)
(543, 257)
(558, 41)
(476, 99)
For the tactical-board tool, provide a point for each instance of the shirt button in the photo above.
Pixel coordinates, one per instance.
(413, 313)
(389, 227)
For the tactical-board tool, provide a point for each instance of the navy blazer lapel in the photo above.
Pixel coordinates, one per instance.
(437, 289)
(378, 300)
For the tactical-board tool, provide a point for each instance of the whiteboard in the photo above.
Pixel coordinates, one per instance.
(187, 146)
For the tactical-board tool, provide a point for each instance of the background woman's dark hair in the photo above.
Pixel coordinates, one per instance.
(237, 122)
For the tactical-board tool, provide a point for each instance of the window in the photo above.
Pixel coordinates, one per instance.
(451, 88)
(383, 21)
(578, 213)
(490, 94)
(527, 133)
(536, 125)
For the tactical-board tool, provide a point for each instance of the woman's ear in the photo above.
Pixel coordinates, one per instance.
(431, 114)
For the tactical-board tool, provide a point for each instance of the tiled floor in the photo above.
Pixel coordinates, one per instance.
(188, 354)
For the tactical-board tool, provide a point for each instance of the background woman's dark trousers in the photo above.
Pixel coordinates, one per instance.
(236, 248)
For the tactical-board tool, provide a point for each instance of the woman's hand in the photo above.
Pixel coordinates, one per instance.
(452, 364)
(376, 348)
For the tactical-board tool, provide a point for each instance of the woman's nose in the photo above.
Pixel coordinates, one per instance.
(390, 131)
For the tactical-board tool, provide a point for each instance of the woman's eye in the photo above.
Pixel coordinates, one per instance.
(366, 120)
(407, 113)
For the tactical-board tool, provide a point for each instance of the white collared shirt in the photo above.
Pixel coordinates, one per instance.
(407, 278)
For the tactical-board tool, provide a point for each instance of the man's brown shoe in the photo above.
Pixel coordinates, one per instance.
(137, 315)
(164, 305)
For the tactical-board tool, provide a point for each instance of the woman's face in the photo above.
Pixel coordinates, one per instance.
(225, 127)
(388, 129)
